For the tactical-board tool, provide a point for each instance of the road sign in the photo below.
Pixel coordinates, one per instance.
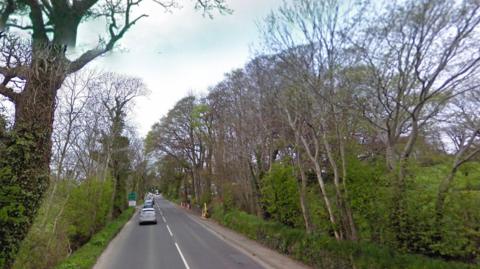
(132, 199)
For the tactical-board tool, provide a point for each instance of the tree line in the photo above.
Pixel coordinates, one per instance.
(359, 121)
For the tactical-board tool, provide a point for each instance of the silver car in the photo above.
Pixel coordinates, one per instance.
(147, 215)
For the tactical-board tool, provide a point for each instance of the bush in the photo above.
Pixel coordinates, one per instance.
(280, 195)
(87, 209)
(70, 215)
(87, 255)
(323, 252)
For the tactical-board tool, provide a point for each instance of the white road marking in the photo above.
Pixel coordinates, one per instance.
(169, 231)
(181, 255)
(164, 220)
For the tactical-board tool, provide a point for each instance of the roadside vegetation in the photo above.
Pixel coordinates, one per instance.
(96, 161)
(325, 252)
(352, 138)
(87, 255)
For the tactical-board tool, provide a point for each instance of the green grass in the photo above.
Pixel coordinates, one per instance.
(86, 256)
(323, 252)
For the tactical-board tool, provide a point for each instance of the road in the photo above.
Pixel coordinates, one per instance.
(176, 242)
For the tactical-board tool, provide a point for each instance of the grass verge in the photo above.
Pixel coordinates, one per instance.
(323, 252)
(86, 256)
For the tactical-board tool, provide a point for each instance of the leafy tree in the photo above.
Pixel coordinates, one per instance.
(280, 195)
(32, 72)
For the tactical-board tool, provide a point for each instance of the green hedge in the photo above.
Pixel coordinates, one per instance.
(86, 256)
(323, 252)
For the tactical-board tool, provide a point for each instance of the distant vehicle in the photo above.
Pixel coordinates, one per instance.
(148, 206)
(150, 201)
(147, 215)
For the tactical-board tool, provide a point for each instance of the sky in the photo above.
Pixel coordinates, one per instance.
(179, 52)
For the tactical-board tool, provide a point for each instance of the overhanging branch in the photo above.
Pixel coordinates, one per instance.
(90, 55)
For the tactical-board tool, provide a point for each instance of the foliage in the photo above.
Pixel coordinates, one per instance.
(370, 199)
(87, 255)
(87, 209)
(70, 215)
(47, 242)
(280, 195)
(454, 235)
(20, 193)
(323, 252)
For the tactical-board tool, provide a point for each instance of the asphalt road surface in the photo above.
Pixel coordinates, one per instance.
(176, 242)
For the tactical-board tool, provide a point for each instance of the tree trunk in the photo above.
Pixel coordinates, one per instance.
(442, 193)
(346, 215)
(331, 215)
(195, 184)
(303, 198)
(66, 26)
(24, 168)
(399, 217)
(390, 157)
(256, 192)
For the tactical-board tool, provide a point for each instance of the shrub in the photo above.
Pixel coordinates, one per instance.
(87, 255)
(280, 195)
(323, 252)
(70, 214)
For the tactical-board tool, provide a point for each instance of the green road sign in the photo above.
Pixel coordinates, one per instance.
(132, 196)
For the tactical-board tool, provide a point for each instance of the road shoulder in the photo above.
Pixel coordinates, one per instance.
(110, 252)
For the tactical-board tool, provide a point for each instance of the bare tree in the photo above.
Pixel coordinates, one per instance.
(116, 94)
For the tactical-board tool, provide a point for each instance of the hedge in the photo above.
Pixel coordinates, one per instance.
(324, 252)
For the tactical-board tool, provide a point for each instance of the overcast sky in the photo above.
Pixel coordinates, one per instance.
(180, 52)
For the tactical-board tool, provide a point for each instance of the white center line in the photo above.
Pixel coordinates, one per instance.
(164, 220)
(169, 231)
(181, 255)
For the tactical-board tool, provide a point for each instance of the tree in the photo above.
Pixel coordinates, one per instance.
(280, 195)
(33, 71)
(309, 41)
(464, 134)
(419, 56)
(116, 94)
(178, 135)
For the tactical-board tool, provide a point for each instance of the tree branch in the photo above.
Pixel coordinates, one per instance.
(38, 24)
(90, 55)
(8, 92)
(10, 7)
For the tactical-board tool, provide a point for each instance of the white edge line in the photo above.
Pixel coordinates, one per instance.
(169, 231)
(233, 243)
(181, 256)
